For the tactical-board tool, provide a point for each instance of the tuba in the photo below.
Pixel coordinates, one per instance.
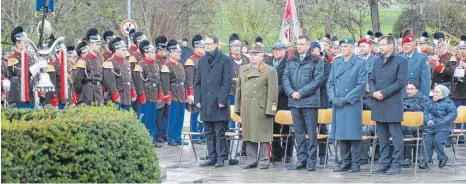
(38, 61)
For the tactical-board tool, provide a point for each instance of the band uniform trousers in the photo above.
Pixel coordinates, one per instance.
(149, 111)
(175, 126)
(163, 115)
(124, 107)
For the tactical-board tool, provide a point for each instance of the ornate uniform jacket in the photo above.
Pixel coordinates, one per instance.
(118, 79)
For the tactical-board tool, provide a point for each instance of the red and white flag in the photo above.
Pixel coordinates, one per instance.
(290, 29)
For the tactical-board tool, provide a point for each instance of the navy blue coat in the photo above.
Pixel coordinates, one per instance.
(304, 77)
(389, 78)
(443, 113)
(415, 103)
(282, 97)
(420, 70)
(212, 86)
(347, 81)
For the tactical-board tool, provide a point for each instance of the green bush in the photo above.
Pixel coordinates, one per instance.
(84, 144)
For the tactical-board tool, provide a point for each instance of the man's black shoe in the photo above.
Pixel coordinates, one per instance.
(242, 154)
(393, 171)
(354, 169)
(250, 166)
(311, 167)
(208, 163)
(442, 163)
(381, 169)
(182, 143)
(363, 162)
(219, 164)
(406, 163)
(342, 168)
(297, 166)
(159, 140)
(157, 145)
(172, 144)
(423, 164)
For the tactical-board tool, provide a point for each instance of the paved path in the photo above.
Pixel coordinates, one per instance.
(189, 171)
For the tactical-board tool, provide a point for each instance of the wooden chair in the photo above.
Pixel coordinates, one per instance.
(457, 133)
(234, 136)
(283, 117)
(324, 117)
(414, 119)
(190, 134)
(367, 121)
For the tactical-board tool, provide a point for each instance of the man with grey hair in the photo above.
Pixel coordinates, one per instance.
(278, 61)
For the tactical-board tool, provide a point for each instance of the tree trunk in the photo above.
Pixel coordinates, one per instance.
(328, 28)
(374, 4)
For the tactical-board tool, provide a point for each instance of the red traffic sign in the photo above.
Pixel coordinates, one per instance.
(127, 25)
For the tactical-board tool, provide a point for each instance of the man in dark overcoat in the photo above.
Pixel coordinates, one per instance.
(387, 80)
(212, 87)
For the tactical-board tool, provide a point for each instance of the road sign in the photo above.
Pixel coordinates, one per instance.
(41, 3)
(127, 25)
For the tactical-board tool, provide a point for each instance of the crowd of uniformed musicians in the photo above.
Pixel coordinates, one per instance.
(160, 81)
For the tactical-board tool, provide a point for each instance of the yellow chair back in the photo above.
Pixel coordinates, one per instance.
(461, 118)
(234, 116)
(324, 116)
(283, 117)
(367, 119)
(413, 119)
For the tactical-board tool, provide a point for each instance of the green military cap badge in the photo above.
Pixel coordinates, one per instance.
(347, 41)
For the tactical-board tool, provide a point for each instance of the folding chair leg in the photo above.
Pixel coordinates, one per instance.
(326, 150)
(286, 149)
(416, 156)
(240, 152)
(335, 146)
(181, 152)
(236, 150)
(454, 147)
(425, 151)
(373, 153)
(258, 152)
(192, 145)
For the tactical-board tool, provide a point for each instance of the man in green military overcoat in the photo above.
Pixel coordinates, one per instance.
(256, 103)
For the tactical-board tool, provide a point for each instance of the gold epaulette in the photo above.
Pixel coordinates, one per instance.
(12, 61)
(137, 68)
(189, 62)
(50, 68)
(107, 64)
(132, 59)
(73, 67)
(81, 64)
(165, 69)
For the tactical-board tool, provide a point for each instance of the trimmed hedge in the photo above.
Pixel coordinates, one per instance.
(83, 144)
